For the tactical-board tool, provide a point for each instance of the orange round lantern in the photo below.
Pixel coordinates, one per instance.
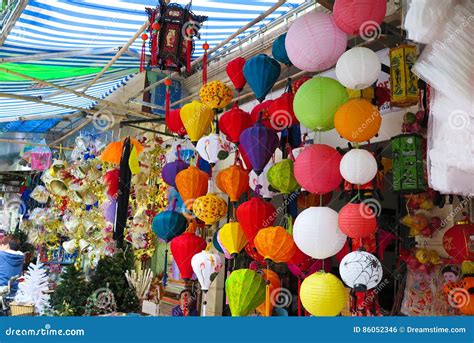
(274, 282)
(191, 184)
(275, 244)
(233, 181)
(357, 120)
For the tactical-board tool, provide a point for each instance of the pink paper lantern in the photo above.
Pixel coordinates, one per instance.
(314, 42)
(317, 168)
(361, 17)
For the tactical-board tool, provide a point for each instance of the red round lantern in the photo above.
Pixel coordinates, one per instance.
(317, 168)
(281, 112)
(458, 241)
(295, 85)
(235, 72)
(233, 122)
(183, 248)
(263, 109)
(357, 220)
(361, 17)
(255, 214)
(174, 122)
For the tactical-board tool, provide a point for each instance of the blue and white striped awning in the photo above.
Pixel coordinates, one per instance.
(54, 26)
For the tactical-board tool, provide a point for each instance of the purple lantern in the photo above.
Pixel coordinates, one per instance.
(170, 170)
(259, 143)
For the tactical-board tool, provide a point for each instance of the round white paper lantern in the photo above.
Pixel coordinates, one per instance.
(317, 234)
(358, 166)
(361, 270)
(358, 68)
(204, 265)
(213, 148)
(262, 180)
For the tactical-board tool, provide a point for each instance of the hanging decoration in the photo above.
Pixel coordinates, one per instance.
(235, 71)
(458, 241)
(323, 294)
(245, 290)
(251, 250)
(317, 234)
(358, 166)
(261, 110)
(306, 199)
(205, 266)
(314, 42)
(261, 73)
(295, 85)
(254, 215)
(408, 169)
(281, 112)
(172, 46)
(357, 120)
(359, 17)
(197, 119)
(215, 94)
(279, 50)
(233, 122)
(205, 47)
(317, 168)
(275, 244)
(168, 225)
(281, 177)
(171, 170)
(183, 248)
(358, 68)
(233, 181)
(357, 220)
(209, 208)
(174, 123)
(259, 143)
(213, 148)
(260, 182)
(316, 102)
(191, 184)
(273, 280)
(403, 82)
(361, 271)
(113, 152)
(232, 238)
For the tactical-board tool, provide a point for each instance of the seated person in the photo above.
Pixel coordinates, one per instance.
(11, 260)
(186, 306)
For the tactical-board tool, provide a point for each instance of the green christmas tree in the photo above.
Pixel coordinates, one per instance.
(110, 273)
(70, 296)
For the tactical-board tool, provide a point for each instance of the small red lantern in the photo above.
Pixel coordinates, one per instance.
(263, 109)
(281, 112)
(235, 72)
(174, 122)
(357, 220)
(233, 122)
(458, 241)
(183, 248)
(255, 214)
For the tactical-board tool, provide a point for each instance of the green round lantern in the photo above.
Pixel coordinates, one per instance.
(245, 290)
(281, 176)
(316, 102)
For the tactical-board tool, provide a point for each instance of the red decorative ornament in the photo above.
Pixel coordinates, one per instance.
(205, 46)
(458, 241)
(235, 72)
(369, 244)
(183, 248)
(144, 36)
(263, 109)
(168, 82)
(281, 112)
(233, 122)
(255, 214)
(359, 17)
(317, 168)
(111, 180)
(174, 123)
(155, 26)
(357, 220)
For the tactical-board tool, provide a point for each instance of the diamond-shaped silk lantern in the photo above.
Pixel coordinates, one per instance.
(168, 224)
(323, 294)
(260, 184)
(261, 73)
(255, 214)
(210, 208)
(245, 290)
(174, 122)
(213, 148)
(183, 248)
(233, 122)
(233, 181)
(275, 243)
(279, 50)
(235, 72)
(232, 238)
(191, 183)
(281, 176)
(204, 266)
(259, 143)
(197, 119)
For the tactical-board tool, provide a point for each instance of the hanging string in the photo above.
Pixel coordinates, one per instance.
(165, 271)
(267, 293)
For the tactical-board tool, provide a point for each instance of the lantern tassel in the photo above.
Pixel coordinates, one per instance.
(267, 295)
(204, 68)
(299, 299)
(154, 49)
(142, 57)
(165, 273)
(189, 46)
(204, 303)
(167, 101)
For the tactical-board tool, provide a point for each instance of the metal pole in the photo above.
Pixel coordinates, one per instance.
(45, 56)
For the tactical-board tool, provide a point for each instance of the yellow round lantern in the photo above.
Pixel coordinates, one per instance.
(232, 237)
(323, 294)
(210, 208)
(197, 119)
(275, 244)
(357, 120)
(216, 94)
